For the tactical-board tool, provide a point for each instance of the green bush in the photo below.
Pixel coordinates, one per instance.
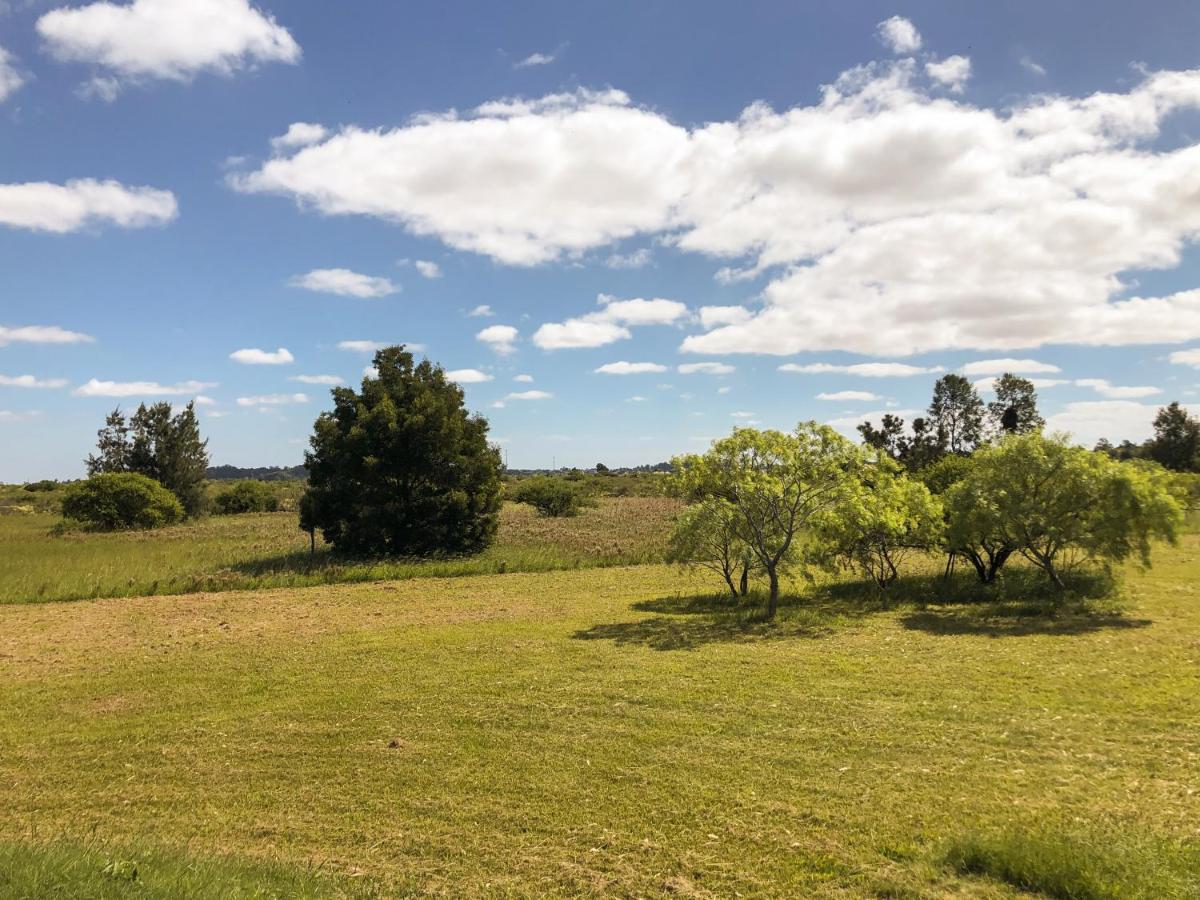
(121, 500)
(553, 497)
(35, 487)
(247, 497)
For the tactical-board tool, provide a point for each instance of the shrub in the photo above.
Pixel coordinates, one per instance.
(247, 497)
(35, 487)
(550, 496)
(121, 500)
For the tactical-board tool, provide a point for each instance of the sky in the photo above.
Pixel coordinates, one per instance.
(623, 227)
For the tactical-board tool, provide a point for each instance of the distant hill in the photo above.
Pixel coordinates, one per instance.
(262, 473)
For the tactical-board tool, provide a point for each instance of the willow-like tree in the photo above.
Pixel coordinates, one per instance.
(401, 468)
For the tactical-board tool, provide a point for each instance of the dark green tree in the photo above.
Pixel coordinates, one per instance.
(888, 438)
(1176, 441)
(160, 445)
(401, 468)
(1014, 411)
(957, 413)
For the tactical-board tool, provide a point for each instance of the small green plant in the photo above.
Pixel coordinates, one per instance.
(247, 497)
(44, 486)
(121, 500)
(552, 497)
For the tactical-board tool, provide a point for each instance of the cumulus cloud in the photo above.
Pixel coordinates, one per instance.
(361, 346)
(299, 134)
(329, 380)
(272, 399)
(863, 370)
(707, 368)
(899, 35)
(635, 260)
(253, 356)
(1117, 420)
(1015, 366)
(344, 282)
(951, 72)
(97, 388)
(31, 381)
(428, 269)
(501, 338)
(468, 376)
(62, 208)
(1106, 389)
(1186, 358)
(42, 334)
(610, 324)
(482, 311)
(849, 395)
(10, 78)
(629, 368)
(171, 39)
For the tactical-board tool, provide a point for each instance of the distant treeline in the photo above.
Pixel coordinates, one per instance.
(262, 473)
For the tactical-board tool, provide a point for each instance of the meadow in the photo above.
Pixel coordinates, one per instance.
(601, 730)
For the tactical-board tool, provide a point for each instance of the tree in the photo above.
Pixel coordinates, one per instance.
(888, 438)
(1057, 505)
(776, 483)
(165, 447)
(1176, 441)
(920, 448)
(956, 412)
(401, 468)
(553, 497)
(1014, 411)
(884, 519)
(705, 535)
(115, 500)
(247, 497)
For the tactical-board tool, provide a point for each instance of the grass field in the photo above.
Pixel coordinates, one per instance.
(605, 731)
(269, 550)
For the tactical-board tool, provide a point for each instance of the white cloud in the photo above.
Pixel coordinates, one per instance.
(848, 425)
(10, 78)
(8, 416)
(362, 346)
(173, 39)
(482, 311)
(96, 388)
(344, 282)
(254, 357)
(329, 380)
(863, 370)
(299, 134)
(42, 334)
(62, 208)
(272, 399)
(428, 268)
(707, 368)
(989, 383)
(1117, 420)
(530, 395)
(1106, 389)
(610, 324)
(1186, 358)
(501, 338)
(899, 35)
(724, 390)
(849, 395)
(201, 400)
(712, 316)
(635, 260)
(468, 376)
(951, 72)
(635, 399)
(1030, 65)
(523, 378)
(536, 59)
(1015, 366)
(31, 381)
(629, 368)
(99, 87)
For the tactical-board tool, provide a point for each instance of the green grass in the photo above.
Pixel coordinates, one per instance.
(268, 550)
(614, 731)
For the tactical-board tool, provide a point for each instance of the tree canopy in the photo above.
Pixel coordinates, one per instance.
(1014, 411)
(956, 413)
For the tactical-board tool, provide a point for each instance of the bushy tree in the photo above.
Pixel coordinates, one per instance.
(776, 482)
(917, 448)
(247, 497)
(881, 520)
(118, 500)
(1014, 411)
(956, 413)
(553, 497)
(401, 468)
(1176, 441)
(160, 445)
(705, 535)
(1055, 505)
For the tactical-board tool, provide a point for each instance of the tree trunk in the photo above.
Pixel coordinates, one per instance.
(1053, 573)
(729, 581)
(312, 542)
(745, 585)
(950, 558)
(773, 602)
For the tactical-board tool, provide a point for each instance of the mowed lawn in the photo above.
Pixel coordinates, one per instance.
(601, 732)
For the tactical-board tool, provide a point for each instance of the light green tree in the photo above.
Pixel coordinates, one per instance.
(776, 483)
(881, 520)
(1057, 506)
(705, 535)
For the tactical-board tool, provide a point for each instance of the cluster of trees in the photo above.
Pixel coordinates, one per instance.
(762, 502)
(1175, 445)
(553, 497)
(246, 497)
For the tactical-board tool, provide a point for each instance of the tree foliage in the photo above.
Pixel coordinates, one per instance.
(776, 483)
(401, 468)
(158, 444)
(706, 536)
(1014, 411)
(552, 497)
(247, 497)
(956, 414)
(118, 500)
(1176, 441)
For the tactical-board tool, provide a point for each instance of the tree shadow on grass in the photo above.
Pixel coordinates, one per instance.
(1018, 619)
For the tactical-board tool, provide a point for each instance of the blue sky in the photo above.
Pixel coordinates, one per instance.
(733, 188)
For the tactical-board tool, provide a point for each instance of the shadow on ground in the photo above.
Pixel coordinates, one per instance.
(1017, 620)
